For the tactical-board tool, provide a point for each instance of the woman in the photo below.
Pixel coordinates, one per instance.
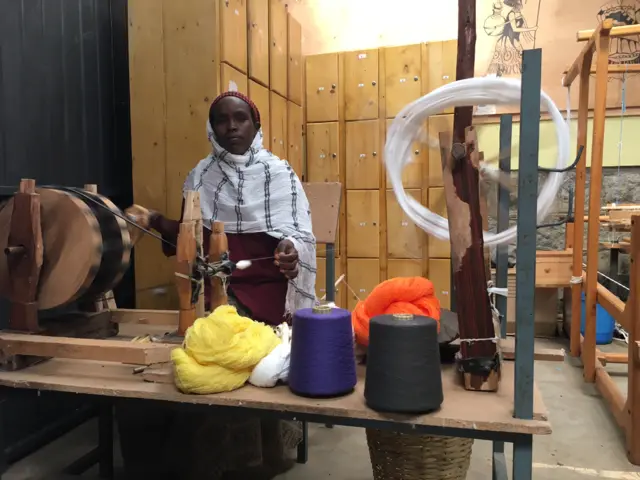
(266, 215)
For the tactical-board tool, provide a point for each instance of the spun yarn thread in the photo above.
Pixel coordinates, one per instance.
(403, 365)
(322, 353)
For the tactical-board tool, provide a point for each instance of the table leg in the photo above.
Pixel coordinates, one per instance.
(613, 269)
(303, 447)
(499, 463)
(105, 438)
(523, 458)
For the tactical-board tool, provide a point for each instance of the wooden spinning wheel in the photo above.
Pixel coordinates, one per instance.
(86, 248)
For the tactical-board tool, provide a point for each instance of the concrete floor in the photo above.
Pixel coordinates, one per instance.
(585, 442)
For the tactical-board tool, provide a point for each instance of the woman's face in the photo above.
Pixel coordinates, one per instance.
(233, 125)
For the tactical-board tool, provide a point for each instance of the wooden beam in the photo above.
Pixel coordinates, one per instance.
(633, 328)
(595, 196)
(12, 344)
(624, 31)
(616, 69)
(508, 348)
(578, 64)
(617, 358)
(612, 304)
(612, 395)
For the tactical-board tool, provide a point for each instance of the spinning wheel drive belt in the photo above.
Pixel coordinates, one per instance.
(87, 247)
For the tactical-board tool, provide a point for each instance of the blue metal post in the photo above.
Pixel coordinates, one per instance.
(526, 265)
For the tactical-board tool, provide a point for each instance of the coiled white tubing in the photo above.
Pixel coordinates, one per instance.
(408, 127)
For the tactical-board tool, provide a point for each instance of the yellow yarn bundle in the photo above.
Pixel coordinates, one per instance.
(220, 351)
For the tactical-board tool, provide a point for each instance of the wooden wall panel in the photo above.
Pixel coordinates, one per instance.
(322, 88)
(363, 160)
(439, 66)
(260, 96)
(437, 124)
(362, 276)
(295, 60)
(363, 223)
(403, 75)
(323, 152)
(361, 85)
(278, 50)
(233, 33)
(404, 238)
(294, 136)
(258, 40)
(279, 125)
(437, 204)
(229, 74)
(413, 174)
(440, 275)
(404, 268)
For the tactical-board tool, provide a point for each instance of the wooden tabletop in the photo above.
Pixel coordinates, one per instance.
(461, 409)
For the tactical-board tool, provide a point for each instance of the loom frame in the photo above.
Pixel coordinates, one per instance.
(626, 411)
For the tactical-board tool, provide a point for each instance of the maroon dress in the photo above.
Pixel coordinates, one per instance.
(261, 289)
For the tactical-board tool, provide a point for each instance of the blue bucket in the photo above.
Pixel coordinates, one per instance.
(605, 324)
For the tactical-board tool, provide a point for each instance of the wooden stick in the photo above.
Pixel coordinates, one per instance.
(579, 202)
(24, 257)
(185, 260)
(633, 68)
(217, 247)
(595, 195)
(461, 188)
(192, 212)
(579, 65)
(633, 388)
(624, 31)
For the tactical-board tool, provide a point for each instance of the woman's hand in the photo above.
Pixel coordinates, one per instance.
(139, 215)
(287, 259)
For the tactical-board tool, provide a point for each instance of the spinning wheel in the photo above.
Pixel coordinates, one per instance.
(86, 248)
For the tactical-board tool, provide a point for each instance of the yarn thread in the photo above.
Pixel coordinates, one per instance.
(403, 364)
(322, 353)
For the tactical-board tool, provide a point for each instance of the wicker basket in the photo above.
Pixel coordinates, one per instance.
(400, 456)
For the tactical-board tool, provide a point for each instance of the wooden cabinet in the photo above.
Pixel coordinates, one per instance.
(404, 268)
(323, 152)
(363, 275)
(295, 60)
(437, 124)
(233, 33)
(322, 88)
(260, 96)
(413, 175)
(438, 204)
(278, 50)
(294, 135)
(361, 85)
(258, 40)
(403, 82)
(440, 66)
(363, 223)
(321, 278)
(440, 276)
(229, 74)
(404, 238)
(279, 125)
(363, 154)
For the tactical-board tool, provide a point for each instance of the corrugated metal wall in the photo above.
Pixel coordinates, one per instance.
(64, 119)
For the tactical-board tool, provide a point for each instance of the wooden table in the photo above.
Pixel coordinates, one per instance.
(480, 415)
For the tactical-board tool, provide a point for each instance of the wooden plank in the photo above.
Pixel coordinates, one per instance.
(383, 239)
(612, 304)
(84, 349)
(578, 64)
(622, 31)
(461, 409)
(508, 348)
(632, 423)
(145, 317)
(341, 111)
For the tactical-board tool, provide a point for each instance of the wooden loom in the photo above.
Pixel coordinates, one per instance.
(64, 246)
(625, 411)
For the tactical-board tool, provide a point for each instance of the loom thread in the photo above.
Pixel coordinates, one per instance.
(403, 365)
(322, 353)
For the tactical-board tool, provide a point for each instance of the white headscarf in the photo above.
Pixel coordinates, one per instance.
(258, 192)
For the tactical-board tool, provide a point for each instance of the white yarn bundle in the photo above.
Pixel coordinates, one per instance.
(408, 127)
(275, 366)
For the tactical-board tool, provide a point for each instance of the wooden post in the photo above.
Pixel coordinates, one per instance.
(578, 227)
(595, 192)
(632, 310)
(217, 247)
(460, 179)
(193, 213)
(185, 260)
(24, 258)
